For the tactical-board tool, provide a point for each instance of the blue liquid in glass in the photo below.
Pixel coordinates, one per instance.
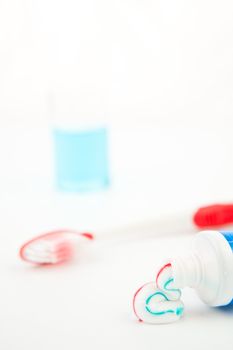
(81, 159)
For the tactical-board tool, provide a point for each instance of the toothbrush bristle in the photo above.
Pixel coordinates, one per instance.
(52, 248)
(52, 254)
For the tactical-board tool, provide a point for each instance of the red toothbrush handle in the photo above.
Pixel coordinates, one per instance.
(214, 215)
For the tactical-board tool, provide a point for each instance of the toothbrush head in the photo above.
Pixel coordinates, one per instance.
(53, 247)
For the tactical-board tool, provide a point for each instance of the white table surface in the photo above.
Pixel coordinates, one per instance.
(158, 172)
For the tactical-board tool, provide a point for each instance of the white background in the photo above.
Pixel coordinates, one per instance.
(149, 60)
(162, 73)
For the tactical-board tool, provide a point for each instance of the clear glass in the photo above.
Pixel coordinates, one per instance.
(80, 142)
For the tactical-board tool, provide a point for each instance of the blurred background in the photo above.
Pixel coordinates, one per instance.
(151, 61)
(158, 77)
(158, 73)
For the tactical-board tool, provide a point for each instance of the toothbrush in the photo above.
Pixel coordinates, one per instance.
(59, 246)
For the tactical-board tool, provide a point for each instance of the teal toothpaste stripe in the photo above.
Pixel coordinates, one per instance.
(171, 289)
(157, 313)
(177, 311)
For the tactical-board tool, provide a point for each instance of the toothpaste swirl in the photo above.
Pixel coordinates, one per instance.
(159, 301)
